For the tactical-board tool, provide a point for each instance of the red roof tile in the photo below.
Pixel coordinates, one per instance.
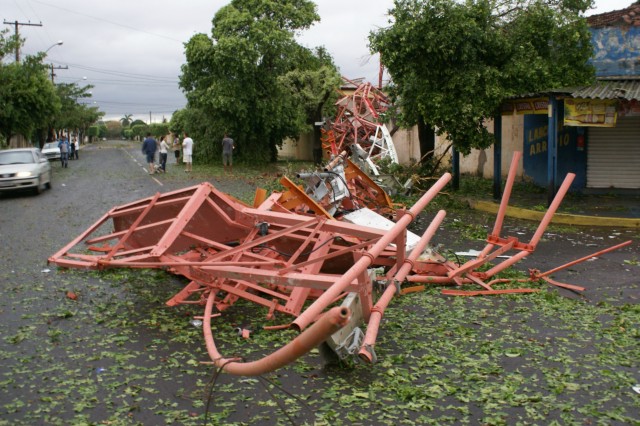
(629, 16)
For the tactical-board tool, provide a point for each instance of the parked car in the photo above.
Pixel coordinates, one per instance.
(51, 150)
(24, 168)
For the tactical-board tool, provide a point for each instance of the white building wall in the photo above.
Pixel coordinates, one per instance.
(478, 162)
(302, 149)
(407, 143)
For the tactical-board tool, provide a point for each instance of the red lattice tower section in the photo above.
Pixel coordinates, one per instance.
(359, 114)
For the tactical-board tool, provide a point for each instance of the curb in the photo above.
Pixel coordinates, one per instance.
(558, 218)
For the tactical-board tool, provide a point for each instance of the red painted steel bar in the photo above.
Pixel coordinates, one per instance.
(58, 257)
(321, 303)
(507, 263)
(582, 259)
(504, 203)
(373, 326)
(541, 228)
(563, 285)
(562, 191)
(332, 321)
(447, 292)
(506, 194)
(120, 244)
(481, 260)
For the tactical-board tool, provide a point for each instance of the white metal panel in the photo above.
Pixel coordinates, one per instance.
(613, 155)
(367, 217)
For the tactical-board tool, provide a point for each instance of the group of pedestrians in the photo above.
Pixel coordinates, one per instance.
(68, 150)
(150, 146)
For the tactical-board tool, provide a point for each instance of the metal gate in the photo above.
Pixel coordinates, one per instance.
(613, 156)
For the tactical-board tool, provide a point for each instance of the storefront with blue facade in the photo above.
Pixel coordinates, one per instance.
(571, 151)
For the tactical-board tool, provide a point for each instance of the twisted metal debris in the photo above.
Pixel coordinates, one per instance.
(289, 254)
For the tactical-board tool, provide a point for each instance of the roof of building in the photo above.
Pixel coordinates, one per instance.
(610, 89)
(628, 16)
(622, 89)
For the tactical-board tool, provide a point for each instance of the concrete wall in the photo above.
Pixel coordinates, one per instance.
(407, 145)
(478, 162)
(302, 149)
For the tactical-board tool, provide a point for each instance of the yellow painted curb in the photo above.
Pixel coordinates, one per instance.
(561, 218)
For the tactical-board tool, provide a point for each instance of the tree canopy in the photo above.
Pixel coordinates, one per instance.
(30, 103)
(453, 63)
(126, 120)
(28, 99)
(251, 79)
(73, 114)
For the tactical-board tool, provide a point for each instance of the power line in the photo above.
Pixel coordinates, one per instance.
(142, 104)
(116, 73)
(56, 68)
(17, 34)
(108, 21)
(110, 82)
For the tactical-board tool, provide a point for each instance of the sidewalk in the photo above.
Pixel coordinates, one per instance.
(575, 209)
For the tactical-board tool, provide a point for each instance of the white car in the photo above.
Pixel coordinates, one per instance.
(24, 168)
(51, 150)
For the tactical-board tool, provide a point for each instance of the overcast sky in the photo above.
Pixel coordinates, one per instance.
(131, 51)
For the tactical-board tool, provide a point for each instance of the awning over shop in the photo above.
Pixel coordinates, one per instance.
(596, 105)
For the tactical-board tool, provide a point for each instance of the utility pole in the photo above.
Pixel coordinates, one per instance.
(66, 67)
(16, 23)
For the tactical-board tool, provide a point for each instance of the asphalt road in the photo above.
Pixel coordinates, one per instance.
(55, 351)
(117, 355)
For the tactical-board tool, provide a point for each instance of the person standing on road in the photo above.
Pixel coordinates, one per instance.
(227, 153)
(63, 144)
(149, 149)
(164, 150)
(176, 148)
(187, 152)
(76, 143)
(72, 149)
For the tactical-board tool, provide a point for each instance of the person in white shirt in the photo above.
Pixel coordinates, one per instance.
(77, 145)
(164, 151)
(187, 152)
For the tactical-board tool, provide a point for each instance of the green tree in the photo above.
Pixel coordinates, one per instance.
(126, 120)
(139, 130)
(7, 43)
(159, 129)
(236, 81)
(28, 100)
(93, 132)
(74, 115)
(102, 130)
(177, 123)
(453, 63)
(88, 116)
(113, 129)
(312, 86)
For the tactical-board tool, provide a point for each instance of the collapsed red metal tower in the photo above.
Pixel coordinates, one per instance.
(284, 258)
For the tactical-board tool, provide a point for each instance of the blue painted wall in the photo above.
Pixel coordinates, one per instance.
(616, 51)
(572, 156)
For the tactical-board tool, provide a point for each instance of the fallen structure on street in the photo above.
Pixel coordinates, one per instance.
(291, 255)
(359, 128)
